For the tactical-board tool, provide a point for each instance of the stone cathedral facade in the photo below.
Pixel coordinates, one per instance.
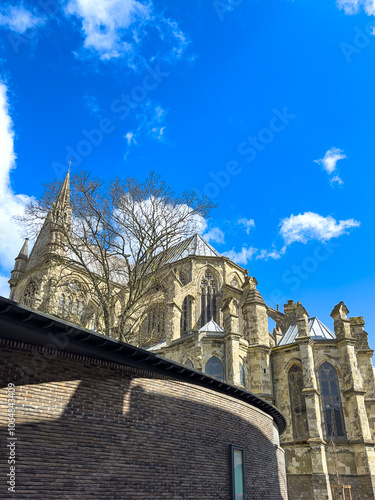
(216, 321)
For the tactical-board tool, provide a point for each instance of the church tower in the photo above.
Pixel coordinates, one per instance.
(31, 275)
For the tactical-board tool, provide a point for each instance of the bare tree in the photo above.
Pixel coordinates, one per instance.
(114, 239)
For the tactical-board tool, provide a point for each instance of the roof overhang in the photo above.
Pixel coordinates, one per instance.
(19, 323)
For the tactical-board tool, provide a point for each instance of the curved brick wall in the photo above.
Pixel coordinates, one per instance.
(96, 430)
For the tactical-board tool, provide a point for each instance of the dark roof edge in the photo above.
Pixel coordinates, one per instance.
(19, 323)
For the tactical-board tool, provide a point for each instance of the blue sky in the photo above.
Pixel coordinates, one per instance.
(265, 106)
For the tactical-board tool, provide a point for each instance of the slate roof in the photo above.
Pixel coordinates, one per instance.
(211, 327)
(318, 331)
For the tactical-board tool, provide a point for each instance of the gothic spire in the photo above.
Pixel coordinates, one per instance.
(24, 252)
(63, 198)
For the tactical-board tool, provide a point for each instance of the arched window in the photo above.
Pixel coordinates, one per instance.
(215, 368)
(331, 399)
(208, 299)
(185, 323)
(297, 403)
(30, 293)
(189, 364)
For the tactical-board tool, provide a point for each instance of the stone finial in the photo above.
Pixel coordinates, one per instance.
(340, 311)
(341, 322)
(250, 282)
(302, 320)
(294, 311)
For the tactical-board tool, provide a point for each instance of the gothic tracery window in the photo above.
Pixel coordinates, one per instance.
(215, 368)
(331, 400)
(208, 299)
(186, 315)
(30, 293)
(297, 403)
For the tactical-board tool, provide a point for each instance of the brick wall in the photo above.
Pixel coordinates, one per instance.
(96, 430)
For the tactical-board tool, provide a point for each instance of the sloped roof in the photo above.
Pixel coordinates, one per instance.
(195, 245)
(211, 327)
(318, 331)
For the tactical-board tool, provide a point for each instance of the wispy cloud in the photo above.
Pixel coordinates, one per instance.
(329, 163)
(92, 105)
(11, 204)
(271, 254)
(353, 6)
(312, 226)
(18, 19)
(248, 224)
(114, 29)
(214, 235)
(151, 118)
(245, 255)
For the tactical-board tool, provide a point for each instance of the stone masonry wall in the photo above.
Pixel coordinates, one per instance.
(95, 430)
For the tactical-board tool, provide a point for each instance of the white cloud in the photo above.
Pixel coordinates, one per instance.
(271, 254)
(312, 226)
(215, 235)
(353, 6)
(330, 159)
(116, 28)
(243, 257)
(18, 19)
(337, 179)
(151, 118)
(11, 204)
(248, 224)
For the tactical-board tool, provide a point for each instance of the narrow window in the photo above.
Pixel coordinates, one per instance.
(185, 323)
(237, 472)
(332, 408)
(242, 374)
(297, 403)
(208, 299)
(215, 368)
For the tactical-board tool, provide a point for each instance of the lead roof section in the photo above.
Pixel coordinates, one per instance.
(318, 331)
(19, 323)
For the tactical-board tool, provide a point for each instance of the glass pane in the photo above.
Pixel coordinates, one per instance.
(238, 474)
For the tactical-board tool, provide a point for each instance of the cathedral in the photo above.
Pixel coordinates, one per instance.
(215, 321)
